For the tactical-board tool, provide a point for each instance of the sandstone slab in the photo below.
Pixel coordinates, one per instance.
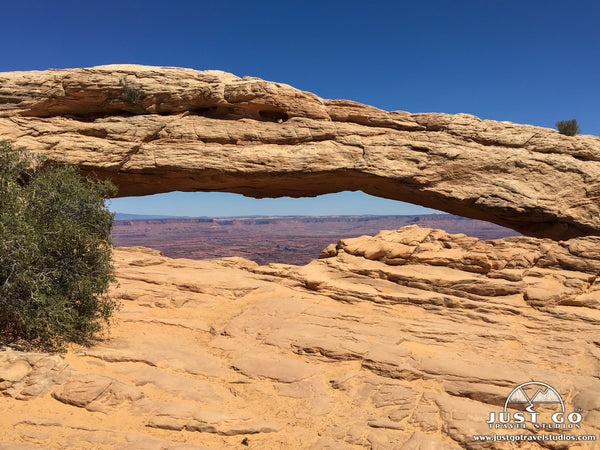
(408, 339)
(25, 375)
(285, 371)
(96, 392)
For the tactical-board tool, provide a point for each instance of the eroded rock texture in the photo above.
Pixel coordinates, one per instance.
(405, 340)
(154, 129)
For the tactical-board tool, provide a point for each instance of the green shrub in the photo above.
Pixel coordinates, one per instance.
(568, 127)
(55, 253)
(132, 92)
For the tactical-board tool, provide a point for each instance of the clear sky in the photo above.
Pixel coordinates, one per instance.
(531, 62)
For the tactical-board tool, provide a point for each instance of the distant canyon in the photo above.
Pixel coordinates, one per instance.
(289, 240)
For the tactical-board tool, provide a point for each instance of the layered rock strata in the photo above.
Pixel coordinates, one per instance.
(408, 339)
(157, 129)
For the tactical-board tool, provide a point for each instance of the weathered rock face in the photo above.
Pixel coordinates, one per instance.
(155, 130)
(405, 340)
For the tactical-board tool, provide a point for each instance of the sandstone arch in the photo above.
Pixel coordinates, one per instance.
(213, 131)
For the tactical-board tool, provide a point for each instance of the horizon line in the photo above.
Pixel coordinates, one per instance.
(166, 216)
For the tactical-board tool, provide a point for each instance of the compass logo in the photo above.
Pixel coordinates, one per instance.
(536, 404)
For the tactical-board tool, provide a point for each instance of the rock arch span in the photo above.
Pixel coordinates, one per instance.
(193, 130)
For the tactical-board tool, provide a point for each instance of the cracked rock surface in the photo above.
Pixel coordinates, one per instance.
(188, 130)
(404, 340)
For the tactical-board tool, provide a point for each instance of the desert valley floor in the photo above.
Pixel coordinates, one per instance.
(290, 240)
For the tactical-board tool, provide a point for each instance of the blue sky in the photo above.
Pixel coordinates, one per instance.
(532, 62)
